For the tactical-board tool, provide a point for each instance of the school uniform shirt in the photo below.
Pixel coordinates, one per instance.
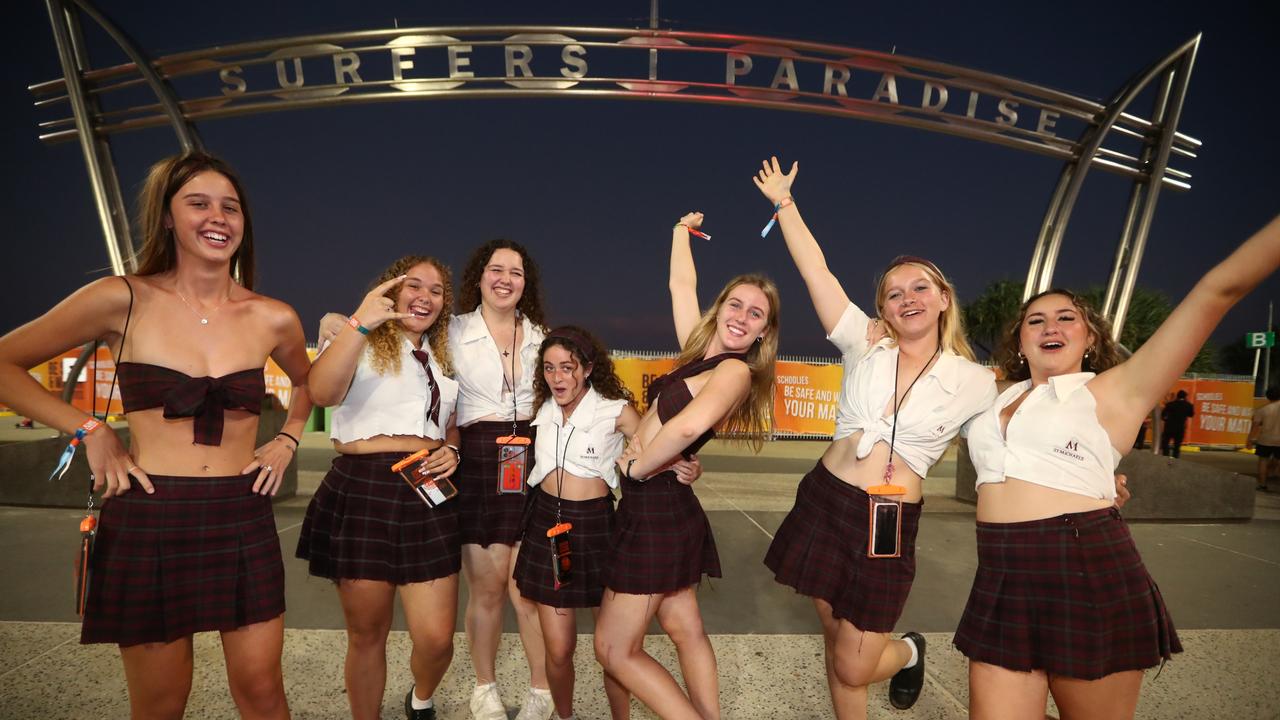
(479, 362)
(587, 445)
(943, 399)
(1054, 439)
(394, 403)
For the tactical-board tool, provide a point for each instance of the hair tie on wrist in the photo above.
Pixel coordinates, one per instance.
(296, 444)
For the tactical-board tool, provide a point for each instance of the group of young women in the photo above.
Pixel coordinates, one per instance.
(516, 436)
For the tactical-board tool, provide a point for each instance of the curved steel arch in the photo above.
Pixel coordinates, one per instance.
(697, 67)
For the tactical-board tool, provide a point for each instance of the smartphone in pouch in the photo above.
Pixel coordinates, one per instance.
(512, 460)
(430, 489)
(884, 538)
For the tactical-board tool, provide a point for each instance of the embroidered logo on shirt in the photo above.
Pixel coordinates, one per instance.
(1071, 450)
(591, 452)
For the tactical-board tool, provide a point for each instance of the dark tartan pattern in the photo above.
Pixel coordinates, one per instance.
(593, 522)
(201, 553)
(662, 541)
(820, 551)
(366, 523)
(485, 516)
(144, 386)
(1068, 595)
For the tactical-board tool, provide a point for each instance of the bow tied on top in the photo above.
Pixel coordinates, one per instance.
(205, 398)
(424, 357)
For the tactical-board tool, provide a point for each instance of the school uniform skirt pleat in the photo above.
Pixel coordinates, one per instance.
(662, 541)
(593, 522)
(487, 517)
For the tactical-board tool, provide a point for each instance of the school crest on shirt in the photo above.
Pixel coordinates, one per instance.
(1071, 450)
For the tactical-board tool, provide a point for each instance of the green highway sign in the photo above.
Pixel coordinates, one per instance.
(1259, 340)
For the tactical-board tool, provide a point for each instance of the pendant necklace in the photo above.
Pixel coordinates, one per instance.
(204, 319)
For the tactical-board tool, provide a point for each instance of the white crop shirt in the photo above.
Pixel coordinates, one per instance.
(479, 364)
(395, 403)
(1054, 439)
(943, 399)
(588, 444)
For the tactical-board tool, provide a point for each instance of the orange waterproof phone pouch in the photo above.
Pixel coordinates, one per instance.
(513, 456)
(560, 565)
(432, 490)
(884, 534)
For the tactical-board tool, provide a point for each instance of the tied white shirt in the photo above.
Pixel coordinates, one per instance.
(395, 403)
(943, 399)
(1054, 439)
(587, 445)
(480, 363)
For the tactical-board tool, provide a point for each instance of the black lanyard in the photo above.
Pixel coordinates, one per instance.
(893, 434)
(560, 460)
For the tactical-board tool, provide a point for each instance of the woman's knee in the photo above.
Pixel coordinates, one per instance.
(261, 691)
(853, 669)
(560, 650)
(367, 635)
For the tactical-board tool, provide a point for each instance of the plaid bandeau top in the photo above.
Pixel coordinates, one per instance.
(671, 394)
(203, 399)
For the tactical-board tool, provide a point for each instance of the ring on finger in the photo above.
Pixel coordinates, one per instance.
(267, 468)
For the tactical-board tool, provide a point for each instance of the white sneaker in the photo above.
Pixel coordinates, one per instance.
(486, 703)
(537, 705)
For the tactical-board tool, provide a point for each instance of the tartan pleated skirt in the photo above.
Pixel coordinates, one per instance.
(820, 550)
(487, 517)
(662, 540)
(365, 523)
(1068, 595)
(201, 553)
(593, 522)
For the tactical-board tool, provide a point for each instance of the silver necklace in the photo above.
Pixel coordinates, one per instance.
(204, 319)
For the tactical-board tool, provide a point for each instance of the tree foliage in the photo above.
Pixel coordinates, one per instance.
(987, 318)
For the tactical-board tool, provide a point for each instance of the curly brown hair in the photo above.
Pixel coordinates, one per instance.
(1103, 355)
(158, 252)
(384, 340)
(530, 300)
(604, 377)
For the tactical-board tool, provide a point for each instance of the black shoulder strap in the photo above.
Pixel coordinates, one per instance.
(123, 336)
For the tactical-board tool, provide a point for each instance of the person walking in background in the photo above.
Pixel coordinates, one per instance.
(1264, 437)
(1175, 415)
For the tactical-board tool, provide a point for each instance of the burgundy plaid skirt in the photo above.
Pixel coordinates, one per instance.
(201, 553)
(487, 517)
(588, 550)
(821, 551)
(366, 523)
(662, 541)
(1068, 595)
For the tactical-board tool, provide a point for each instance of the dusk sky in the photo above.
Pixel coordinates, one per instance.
(592, 187)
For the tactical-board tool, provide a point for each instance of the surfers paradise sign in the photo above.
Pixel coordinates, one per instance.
(453, 63)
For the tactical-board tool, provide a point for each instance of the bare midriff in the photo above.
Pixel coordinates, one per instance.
(574, 487)
(1017, 500)
(387, 443)
(841, 458)
(496, 418)
(166, 447)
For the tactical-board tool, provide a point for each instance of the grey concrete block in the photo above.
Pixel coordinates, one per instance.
(1163, 488)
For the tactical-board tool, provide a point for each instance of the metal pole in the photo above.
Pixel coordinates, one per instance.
(85, 131)
(1266, 374)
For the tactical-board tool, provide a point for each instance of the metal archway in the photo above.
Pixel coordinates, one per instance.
(435, 63)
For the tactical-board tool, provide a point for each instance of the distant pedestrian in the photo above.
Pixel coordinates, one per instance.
(1264, 437)
(1175, 415)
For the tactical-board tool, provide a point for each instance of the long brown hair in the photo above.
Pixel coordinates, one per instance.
(752, 419)
(159, 253)
(530, 300)
(951, 336)
(384, 340)
(1103, 355)
(588, 351)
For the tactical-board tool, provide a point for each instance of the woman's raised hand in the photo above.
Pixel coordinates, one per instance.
(773, 183)
(692, 220)
(377, 308)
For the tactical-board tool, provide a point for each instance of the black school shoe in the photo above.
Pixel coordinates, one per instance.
(904, 688)
(409, 712)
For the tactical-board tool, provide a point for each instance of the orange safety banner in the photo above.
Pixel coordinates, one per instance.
(1224, 411)
(804, 399)
(637, 373)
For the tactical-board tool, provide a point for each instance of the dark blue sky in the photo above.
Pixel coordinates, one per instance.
(593, 186)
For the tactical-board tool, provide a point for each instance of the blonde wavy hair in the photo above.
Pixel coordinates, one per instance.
(384, 340)
(752, 419)
(951, 336)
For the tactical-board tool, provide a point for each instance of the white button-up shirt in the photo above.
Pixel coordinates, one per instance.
(951, 392)
(1054, 439)
(478, 364)
(587, 445)
(395, 403)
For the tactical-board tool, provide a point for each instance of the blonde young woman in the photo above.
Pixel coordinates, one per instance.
(903, 399)
(388, 374)
(1061, 602)
(663, 543)
(186, 540)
